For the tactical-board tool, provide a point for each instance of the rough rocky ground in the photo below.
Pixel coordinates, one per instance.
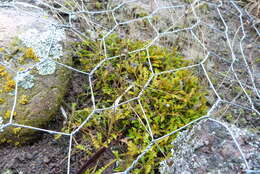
(209, 148)
(48, 155)
(45, 156)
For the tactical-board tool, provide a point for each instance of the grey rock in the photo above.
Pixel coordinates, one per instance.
(209, 148)
(11, 164)
(29, 156)
(29, 30)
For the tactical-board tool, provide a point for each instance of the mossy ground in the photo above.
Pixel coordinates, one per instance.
(170, 101)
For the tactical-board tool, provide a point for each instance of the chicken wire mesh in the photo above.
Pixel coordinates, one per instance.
(206, 32)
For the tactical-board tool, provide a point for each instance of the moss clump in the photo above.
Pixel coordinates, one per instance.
(2, 71)
(169, 102)
(2, 100)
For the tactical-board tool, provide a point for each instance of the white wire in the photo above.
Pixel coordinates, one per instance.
(191, 7)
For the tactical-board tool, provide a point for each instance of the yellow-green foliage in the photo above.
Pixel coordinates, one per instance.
(169, 102)
(1, 100)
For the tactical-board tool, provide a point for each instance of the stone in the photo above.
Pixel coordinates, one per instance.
(31, 44)
(209, 148)
(46, 159)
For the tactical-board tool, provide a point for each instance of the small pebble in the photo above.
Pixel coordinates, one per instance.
(249, 46)
(46, 159)
(28, 156)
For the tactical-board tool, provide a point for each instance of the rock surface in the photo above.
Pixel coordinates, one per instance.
(209, 148)
(29, 47)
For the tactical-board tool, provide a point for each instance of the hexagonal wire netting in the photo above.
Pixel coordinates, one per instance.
(226, 25)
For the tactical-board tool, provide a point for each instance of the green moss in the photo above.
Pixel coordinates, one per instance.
(204, 7)
(169, 102)
(188, 1)
(257, 60)
(139, 12)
